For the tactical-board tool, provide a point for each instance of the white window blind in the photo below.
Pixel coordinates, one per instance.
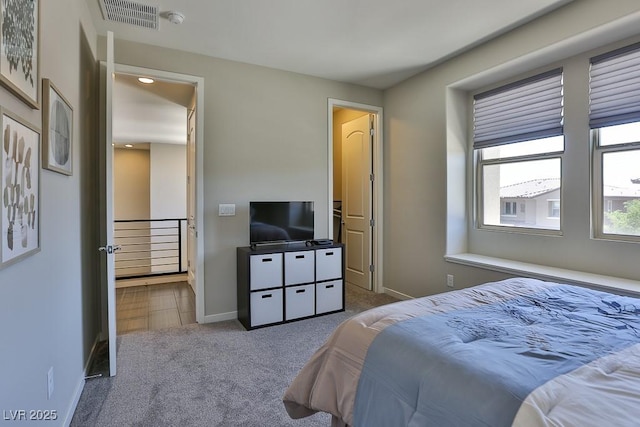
(614, 87)
(522, 111)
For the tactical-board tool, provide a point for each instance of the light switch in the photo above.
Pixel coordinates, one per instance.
(226, 209)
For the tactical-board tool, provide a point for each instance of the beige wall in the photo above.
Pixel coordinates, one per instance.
(131, 184)
(265, 134)
(48, 301)
(420, 159)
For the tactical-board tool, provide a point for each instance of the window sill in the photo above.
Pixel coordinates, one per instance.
(607, 283)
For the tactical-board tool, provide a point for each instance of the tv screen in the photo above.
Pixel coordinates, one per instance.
(280, 221)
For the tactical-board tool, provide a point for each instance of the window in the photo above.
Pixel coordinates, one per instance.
(554, 208)
(518, 143)
(614, 117)
(510, 208)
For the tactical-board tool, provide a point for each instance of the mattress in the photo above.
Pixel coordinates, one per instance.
(519, 352)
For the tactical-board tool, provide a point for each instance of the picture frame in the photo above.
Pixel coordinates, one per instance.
(20, 49)
(57, 130)
(20, 204)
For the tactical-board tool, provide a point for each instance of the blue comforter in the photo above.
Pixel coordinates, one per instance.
(474, 367)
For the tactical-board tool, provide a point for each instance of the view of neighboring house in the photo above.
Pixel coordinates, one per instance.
(536, 203)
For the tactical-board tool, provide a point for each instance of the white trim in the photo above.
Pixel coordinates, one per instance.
(220, 317)
(378, 211)
(517, 268)
(198, 83)
(74, 402)
(397, 295)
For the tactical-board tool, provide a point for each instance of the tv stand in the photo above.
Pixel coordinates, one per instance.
(281, 283)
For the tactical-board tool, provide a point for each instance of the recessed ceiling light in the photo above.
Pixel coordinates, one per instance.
(128, 145)
(145, 80)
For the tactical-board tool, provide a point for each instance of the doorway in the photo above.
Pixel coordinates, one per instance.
(355, 176)
(155, 126)
(194, 129)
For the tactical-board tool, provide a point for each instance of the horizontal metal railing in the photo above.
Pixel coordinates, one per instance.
(150, 247)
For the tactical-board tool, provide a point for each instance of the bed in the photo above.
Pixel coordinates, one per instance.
(519, 352)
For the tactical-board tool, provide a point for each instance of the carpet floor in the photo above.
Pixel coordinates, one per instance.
(214, 374)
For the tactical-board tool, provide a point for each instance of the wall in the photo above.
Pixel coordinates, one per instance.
(426, 133)
(46, 300)
(168, 181)
(265, 136)
(131, 184)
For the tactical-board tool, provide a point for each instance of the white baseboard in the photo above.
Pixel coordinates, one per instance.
(396, 294)
(74, 401)
(213, 318)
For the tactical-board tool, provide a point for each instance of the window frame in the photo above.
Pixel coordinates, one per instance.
(597, 186)
(479, 164)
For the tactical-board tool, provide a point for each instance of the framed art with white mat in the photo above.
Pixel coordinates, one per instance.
(20, 171)
(20, 49)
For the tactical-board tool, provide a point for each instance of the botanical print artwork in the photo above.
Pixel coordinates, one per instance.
(19, 45)
(20, 210)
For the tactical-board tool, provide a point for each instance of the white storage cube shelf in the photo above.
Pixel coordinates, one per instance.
(299, 301)
(328, 296)
(266, 271)
(266, 307)
(299, 267)
(285, 285)
(328, 264)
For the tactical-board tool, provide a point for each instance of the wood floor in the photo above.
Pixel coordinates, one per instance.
(150, 307)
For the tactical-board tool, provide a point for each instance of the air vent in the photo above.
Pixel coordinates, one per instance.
(132, 13)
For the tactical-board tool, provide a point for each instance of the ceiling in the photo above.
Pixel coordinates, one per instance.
(150, 113)
(375, 43)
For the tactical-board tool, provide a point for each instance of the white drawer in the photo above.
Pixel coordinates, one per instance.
(299, 301)
(299, 267)
(328, 264)
(266, 271)
(266, 307)
(328, 296)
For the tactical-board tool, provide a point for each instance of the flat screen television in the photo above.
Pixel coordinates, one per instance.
(274, 222)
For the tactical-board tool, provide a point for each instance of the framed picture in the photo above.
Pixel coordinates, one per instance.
(20, 172)
(19, 49)
(57, 130)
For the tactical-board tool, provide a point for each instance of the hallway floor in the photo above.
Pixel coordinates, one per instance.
(149, 307)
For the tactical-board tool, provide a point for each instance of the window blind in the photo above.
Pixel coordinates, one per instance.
(614, 87)
(522, 111)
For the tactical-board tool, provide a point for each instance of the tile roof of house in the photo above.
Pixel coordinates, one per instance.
(537, 187)
(611, 191)
(529, 189)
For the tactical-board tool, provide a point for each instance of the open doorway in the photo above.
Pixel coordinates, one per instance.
(356, 179)
(150, 135)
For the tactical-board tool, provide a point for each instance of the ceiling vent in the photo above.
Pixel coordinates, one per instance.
(129, 12)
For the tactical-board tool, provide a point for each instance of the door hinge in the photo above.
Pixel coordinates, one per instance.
(372, 268)
(371, 177)
(372, 132)
(110, 249)
(372, 222)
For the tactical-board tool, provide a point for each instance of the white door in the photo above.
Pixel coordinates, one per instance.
(191, 200)
(357, 143)
(106, 206)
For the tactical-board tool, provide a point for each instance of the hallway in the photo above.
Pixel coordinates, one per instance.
(151, 307)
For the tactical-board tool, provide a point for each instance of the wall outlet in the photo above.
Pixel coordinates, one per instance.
(50, 383)
(450, 280)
